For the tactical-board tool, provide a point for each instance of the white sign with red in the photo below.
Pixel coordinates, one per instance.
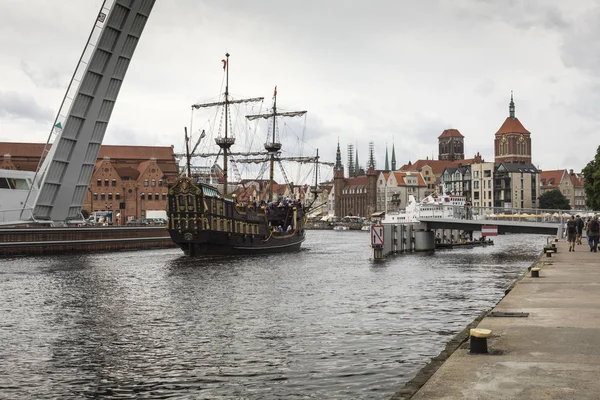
(489, 230)
(376, 235)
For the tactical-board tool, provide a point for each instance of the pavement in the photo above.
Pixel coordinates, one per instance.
(552, 353)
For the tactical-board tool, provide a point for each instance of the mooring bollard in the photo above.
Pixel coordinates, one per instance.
(478, 339)
(535, 272)
(548, 253)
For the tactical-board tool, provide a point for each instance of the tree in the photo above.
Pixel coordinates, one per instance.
(554, 200)
(591, 173)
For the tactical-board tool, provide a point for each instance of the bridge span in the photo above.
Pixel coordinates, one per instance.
(510, 226)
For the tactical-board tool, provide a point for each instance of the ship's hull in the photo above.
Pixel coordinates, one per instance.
(213, 243)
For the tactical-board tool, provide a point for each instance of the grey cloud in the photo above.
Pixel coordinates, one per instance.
(581, 48)
(15, 105)
(46, 78)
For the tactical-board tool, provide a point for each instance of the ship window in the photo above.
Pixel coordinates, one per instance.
(181, 200)
(190, 200)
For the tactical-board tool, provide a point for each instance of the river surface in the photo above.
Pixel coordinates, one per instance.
(324, 323)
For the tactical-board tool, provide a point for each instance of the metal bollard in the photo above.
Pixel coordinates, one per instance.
(478, 340)
(535, 272)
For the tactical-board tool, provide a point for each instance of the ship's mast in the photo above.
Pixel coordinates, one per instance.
(226, 142)
(274, 147)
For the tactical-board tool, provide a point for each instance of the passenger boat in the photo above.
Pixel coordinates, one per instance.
(204, 220)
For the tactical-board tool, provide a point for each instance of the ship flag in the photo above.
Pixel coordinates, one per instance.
(224, 64)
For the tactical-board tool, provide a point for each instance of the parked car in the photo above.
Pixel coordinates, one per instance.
(137, 222)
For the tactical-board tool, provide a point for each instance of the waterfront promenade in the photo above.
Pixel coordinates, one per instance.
(553, 353)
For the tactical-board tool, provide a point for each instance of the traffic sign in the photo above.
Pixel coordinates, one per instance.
(376, 236)
(489, 230)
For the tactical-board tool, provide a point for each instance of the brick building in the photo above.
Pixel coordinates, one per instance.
(127, 180)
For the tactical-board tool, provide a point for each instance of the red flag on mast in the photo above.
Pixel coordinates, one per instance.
(224, 64)
(275, 91)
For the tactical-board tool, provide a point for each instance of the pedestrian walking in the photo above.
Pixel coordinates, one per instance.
(571, 233)
(580, 224)
(594, 233)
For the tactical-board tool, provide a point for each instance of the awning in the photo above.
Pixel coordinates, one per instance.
(378, 214)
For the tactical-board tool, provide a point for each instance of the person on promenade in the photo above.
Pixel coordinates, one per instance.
(571, 233)
(594, 233)
(580, 224)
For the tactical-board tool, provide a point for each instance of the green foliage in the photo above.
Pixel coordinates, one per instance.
(554, 200)
(591, 173)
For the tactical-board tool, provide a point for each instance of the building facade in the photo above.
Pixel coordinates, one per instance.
(516, 185)
(394, 188)
(569, 183)
(482, 181)
(127, 182)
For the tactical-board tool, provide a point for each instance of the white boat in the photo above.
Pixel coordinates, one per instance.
(15, 193)
(341, 228)
(444, 206)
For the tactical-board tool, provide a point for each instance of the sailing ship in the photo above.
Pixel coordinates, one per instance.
(204, 221)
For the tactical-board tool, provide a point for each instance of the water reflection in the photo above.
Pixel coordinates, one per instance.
(326, 322)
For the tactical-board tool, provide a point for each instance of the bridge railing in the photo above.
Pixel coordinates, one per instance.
(518, 214)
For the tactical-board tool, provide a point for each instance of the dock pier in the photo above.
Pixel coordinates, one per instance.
(544, 341)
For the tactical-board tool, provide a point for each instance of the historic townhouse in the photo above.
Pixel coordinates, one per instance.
(398, 186)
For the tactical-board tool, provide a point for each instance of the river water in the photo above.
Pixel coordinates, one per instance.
(324, 323)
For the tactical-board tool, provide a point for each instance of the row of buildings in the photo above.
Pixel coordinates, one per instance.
(510, 181)
(130, 181)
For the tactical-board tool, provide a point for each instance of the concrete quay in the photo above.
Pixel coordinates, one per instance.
(545, 340)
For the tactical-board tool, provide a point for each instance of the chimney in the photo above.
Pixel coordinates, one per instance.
(570, 172)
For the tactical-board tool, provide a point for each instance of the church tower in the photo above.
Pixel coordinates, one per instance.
(338, 180)
(512, 142)
(451, 145)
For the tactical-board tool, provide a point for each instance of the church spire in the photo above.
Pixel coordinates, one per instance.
(511, 106)
(356, 166)
(387, 163)
(371, 155)
(338, 158)
(393, 157)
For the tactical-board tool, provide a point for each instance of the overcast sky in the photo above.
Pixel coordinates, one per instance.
(389, 71)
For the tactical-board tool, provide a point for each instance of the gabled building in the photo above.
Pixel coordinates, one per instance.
(568, 183)
(394, 188)
(431, 170)
(457, 180)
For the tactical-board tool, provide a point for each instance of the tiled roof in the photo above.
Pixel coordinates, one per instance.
(400, 178)
(437, 166)
(552, 177)
(451, 133)
(120, 152)
(357, 181)
(512, 125)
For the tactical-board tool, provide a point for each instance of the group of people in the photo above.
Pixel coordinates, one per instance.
(575, 227)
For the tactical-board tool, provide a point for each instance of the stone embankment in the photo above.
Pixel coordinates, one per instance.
(544, 342)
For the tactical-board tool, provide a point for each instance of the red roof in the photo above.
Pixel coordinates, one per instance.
(357, 181)
(399, 175)
(451, 133)
(552, 177)
(512, 125)
(437, 166)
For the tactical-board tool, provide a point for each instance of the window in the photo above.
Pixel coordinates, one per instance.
(106, 182)
(156, 196)
(476, 185)
(102, 196)
(160, 183)
(146, 182)
(95, 196)
(99, 182)
(110, 196)
(117, 196)
(149, 196)
(153, 182)
(142, 196)
(164, 196)
(476, 174)
(114, 183)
